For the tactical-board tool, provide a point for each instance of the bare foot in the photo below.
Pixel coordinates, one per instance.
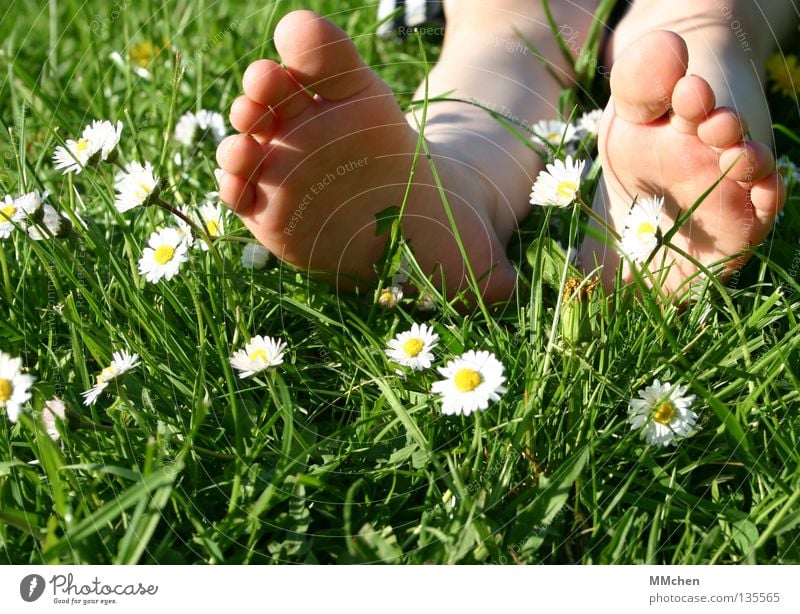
(663, 134)
(313, 170)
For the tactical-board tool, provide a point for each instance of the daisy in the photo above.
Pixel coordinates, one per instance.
(14, 385)
(194, 127)
(165, 254)
(52, 224)
(254, 256)
(554, 132)
(122, 362)
(259, 353)
(98, 141)
(213, 219)
(54, 408)
(559, 185)
(641, 234)
(588, 123)
(662, 412)
(136, 187)
(426, 301)
(218, 175)
(184, 228)
(389, 297)
(10, 215)
(31, 202)
(412, 348)
(471, 382)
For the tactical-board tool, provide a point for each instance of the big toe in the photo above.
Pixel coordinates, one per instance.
(645, 75)
(320, 56)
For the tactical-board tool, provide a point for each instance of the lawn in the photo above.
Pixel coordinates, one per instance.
(333, 456)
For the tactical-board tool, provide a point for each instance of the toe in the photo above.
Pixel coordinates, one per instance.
(240, 154)
(749, 162)
(250, 116)
(768, 197)
(723, 128)
(237, 193)
(269, 84)
(321, 56)
(645, 74)
(692, 101)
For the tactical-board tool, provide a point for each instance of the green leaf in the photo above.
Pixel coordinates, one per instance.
(385, 218)
(546, 256)
(547, 500)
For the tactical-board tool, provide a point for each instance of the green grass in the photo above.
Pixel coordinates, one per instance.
(332, 457)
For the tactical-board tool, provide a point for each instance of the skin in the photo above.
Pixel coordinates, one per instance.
(309, 172)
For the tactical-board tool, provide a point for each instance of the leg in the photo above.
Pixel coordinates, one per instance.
(686, 82)
(313, 170)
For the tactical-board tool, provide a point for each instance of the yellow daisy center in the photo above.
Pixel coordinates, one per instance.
(467, 380)
(5, 390)
(412, 347)
(645, 231)
(257, 354)
(566, 189)
(164, 254)
(143, 191)
(554, 137)
(212, 227)
(665, 413)
(386, 298)
(106, 374)
(8, 211)
(82, 145)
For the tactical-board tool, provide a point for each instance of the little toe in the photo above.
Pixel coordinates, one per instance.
(240, 154)
(723, 128)
(249, 116)
(268, 83)
(692, 101)
(645, 74)
(749, 162)
(237, 193)
(321, 56)
(768, 197)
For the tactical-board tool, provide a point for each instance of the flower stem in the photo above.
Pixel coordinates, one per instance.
(603, 224)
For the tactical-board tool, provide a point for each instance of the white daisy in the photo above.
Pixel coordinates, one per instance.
(98, 141)
(213, 218)
(10, 215)
(137, 186)
(254, 256)
(184, 228)
(14, 385)
(662, 412)
(389, 297)
(413, 348)
(122, 362)
(218, 175)
(426, 301)
(559, 185)
(52, 224)
(194, 127)
(165, 254)
(54, 408)
(471, 382)
(554, 132)
(31, 202)
(589, 122)
(641, 234)
(259, 353)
